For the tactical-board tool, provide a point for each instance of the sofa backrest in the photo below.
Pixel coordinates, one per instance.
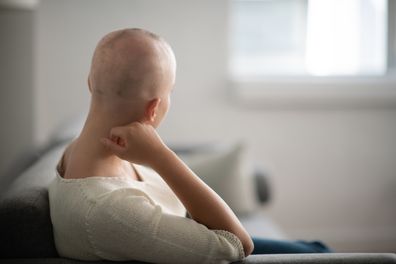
(25, 223)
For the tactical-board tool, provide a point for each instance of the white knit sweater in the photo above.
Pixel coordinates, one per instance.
(117, 218)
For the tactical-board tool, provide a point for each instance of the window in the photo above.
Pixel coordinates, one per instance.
(309, 37)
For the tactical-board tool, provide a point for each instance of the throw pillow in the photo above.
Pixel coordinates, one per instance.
(229, 173)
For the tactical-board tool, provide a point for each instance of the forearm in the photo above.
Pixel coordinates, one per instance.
(203, 204)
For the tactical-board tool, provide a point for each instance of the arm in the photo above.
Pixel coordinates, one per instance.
(126, 223)
(204, 205)
(139, 143)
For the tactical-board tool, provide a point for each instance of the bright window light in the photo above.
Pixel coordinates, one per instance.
(309, 37)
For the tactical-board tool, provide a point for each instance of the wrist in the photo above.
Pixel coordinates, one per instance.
(162, 156)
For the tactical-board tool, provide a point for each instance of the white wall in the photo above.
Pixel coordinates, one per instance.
(333, 171)
(16, 85)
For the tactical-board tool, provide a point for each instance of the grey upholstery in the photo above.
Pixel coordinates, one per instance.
(335, 258)
(25, 225)
(26, 230)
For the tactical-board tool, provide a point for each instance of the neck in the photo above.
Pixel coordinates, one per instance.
(89, 139)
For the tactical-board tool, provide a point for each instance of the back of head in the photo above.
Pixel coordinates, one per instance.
(130, 67)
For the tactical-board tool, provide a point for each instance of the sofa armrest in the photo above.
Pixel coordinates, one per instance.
(326, 258)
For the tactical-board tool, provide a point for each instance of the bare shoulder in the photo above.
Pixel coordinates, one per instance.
(68, 150)
(65, 158)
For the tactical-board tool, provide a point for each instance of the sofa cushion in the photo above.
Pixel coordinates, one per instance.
(25, 223)
(229, 172)
(26, 160)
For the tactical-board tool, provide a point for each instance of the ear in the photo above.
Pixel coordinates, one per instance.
(151, 109)
(89, 84)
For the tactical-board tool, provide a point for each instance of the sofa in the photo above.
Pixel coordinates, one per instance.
(25, 224)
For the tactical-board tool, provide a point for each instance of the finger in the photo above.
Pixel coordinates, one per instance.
(117, 149)
(117, 132)
(122, 142)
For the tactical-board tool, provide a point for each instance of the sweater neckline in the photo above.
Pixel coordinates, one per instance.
(97, 177)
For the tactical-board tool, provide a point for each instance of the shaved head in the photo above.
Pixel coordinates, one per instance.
(130, 67)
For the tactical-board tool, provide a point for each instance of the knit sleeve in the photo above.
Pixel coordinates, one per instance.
(126, 225)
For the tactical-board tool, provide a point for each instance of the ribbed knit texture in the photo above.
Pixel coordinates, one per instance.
(117, 218)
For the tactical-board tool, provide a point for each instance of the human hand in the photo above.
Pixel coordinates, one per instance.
(137, 143)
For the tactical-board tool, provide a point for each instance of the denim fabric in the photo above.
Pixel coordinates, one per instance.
(270, 246)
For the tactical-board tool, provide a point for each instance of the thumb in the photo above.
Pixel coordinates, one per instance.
(117, 149)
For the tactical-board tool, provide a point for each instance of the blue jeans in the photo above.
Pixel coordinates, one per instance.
(270, 246)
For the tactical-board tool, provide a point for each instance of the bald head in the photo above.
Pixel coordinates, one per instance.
(131, 65)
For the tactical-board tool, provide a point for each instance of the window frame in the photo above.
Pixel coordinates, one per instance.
(318, 91)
